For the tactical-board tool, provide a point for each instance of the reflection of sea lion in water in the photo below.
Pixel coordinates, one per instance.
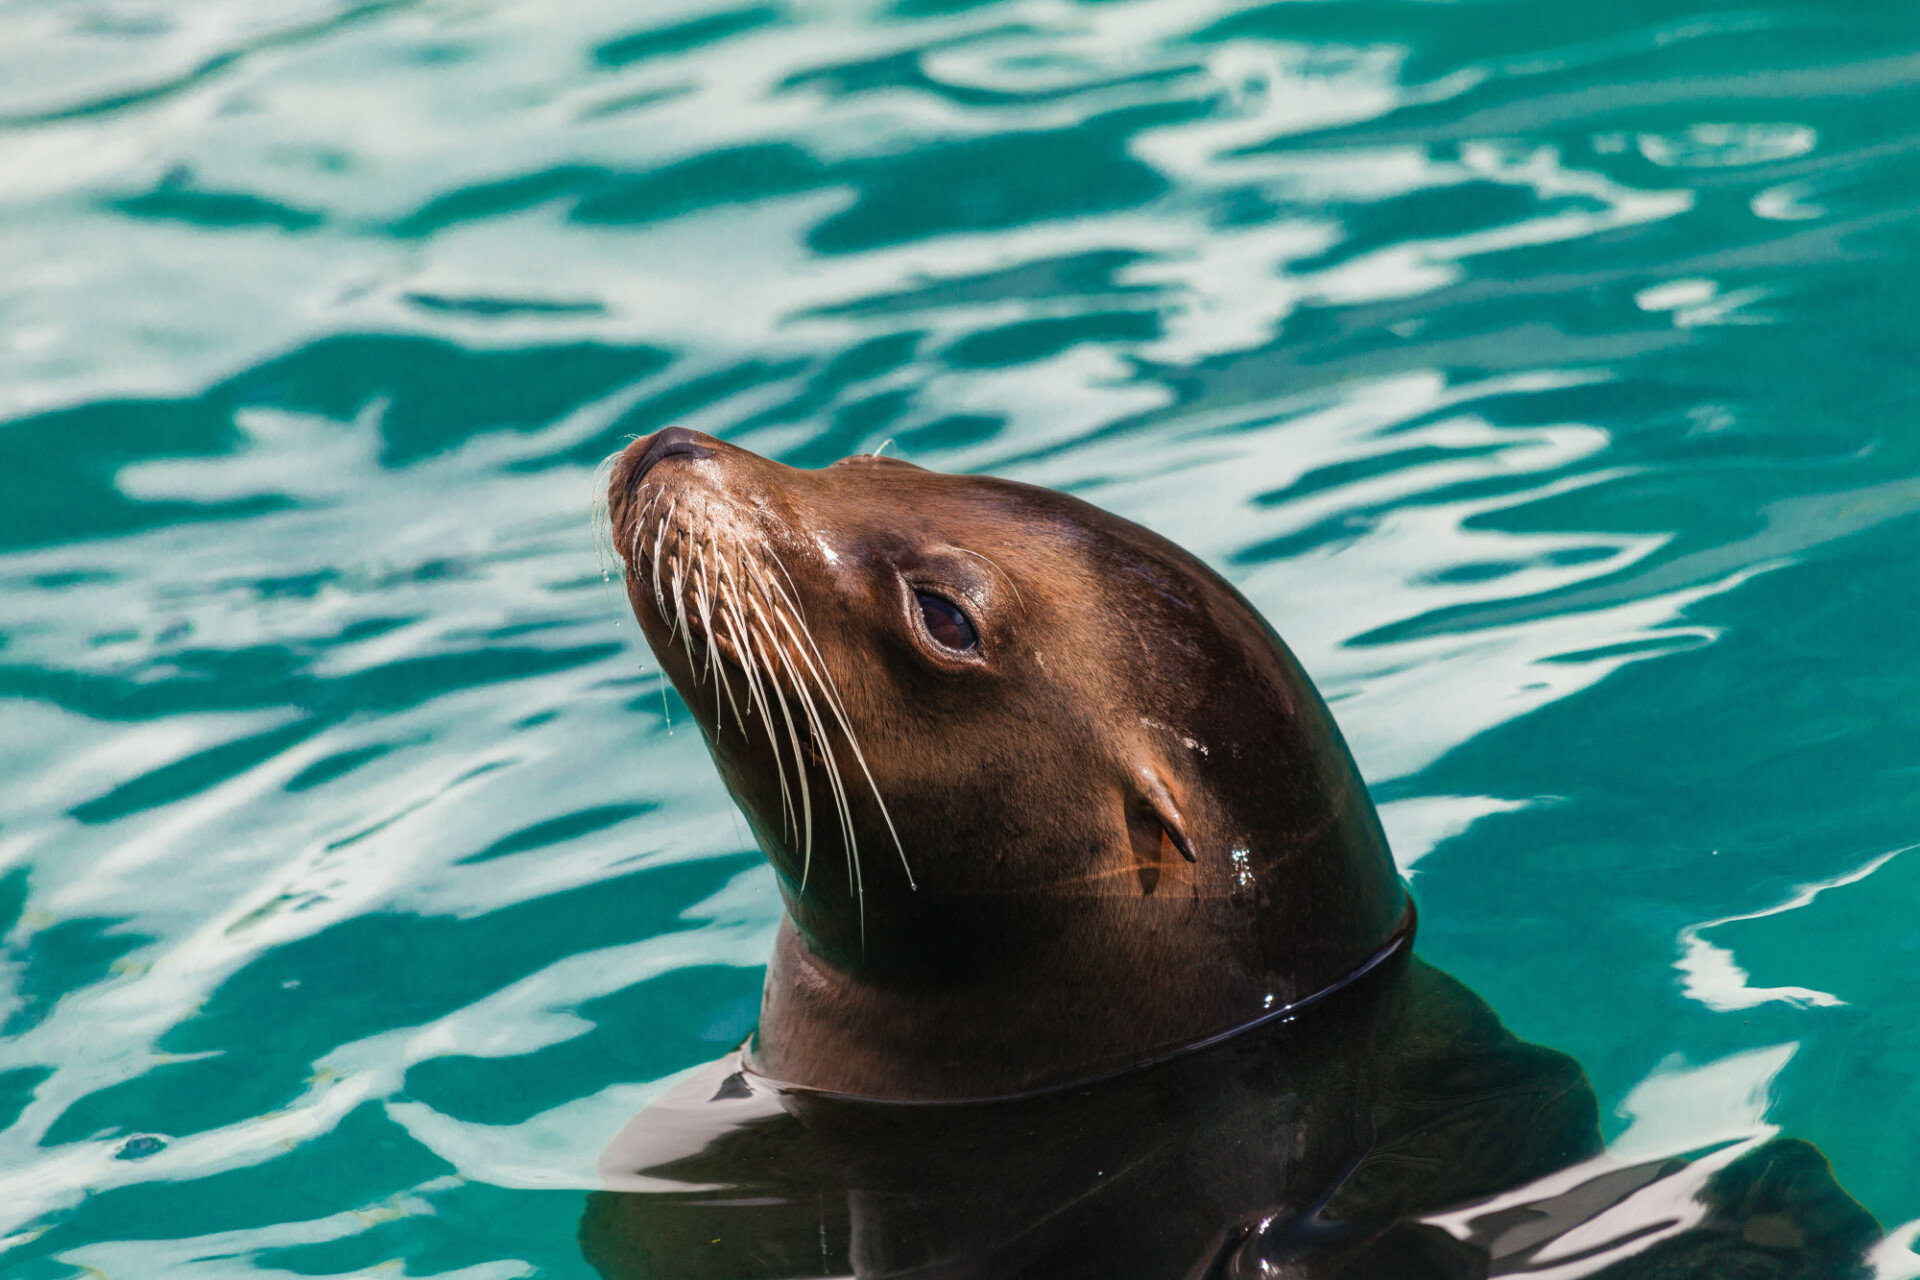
(1048, 801)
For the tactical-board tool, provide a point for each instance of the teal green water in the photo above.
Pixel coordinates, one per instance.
(1547, 373)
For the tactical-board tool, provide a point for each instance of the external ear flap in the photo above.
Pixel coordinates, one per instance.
(1155, 830)
(1159, 802)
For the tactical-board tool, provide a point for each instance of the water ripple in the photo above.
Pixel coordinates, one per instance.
(1542, 373)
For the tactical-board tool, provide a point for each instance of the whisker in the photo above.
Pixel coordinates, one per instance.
(714, 665)
(831, 695)
(702, 610)
(659, 540)
(640, 520)
(831, 767)
(818, 724)
(680, 614)
(799, 758)
(653, 496)
(743, 642)
(749, 592)
(597, 515)
(729, 612)
(849, 834)
(630, 563)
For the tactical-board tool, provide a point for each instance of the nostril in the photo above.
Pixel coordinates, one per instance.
(679, 449)
(673, 442)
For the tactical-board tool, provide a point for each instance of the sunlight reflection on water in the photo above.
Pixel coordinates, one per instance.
(1542, 380)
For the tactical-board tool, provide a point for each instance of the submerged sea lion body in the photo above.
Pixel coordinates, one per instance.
(1095, 961)
(1304, 1143)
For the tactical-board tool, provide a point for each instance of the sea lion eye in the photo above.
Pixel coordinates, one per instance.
(946, 623)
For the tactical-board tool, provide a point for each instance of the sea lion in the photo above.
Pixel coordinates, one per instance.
(1045, 796)
(1095, 961)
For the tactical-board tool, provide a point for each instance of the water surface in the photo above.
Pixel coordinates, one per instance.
(1546, 373)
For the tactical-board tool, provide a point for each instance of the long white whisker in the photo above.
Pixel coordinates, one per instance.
(721, 683)
(702, 611)
(828, 757)
(659, 540)
(832, 770)
(604, 537)
(726, 595)
(847, 831)
(756, 694)
(831, 695)
(799, 759)
(748, 592)
(735, 585)
(727, 610)
(640, 520)
(680, 615)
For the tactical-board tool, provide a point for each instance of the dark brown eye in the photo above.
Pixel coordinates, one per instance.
(946, 624)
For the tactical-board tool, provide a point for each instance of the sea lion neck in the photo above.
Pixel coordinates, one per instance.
(1011, 993)
(1040, 789)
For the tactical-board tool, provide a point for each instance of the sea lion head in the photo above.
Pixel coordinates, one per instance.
(1008, 753)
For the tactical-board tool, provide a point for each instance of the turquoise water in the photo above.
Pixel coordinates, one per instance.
(1547, 374)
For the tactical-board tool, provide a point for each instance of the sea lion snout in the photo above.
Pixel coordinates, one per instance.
(644, 455)
(675, 491)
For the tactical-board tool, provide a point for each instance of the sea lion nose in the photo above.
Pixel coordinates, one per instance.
(670, 442)
(646, 453)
